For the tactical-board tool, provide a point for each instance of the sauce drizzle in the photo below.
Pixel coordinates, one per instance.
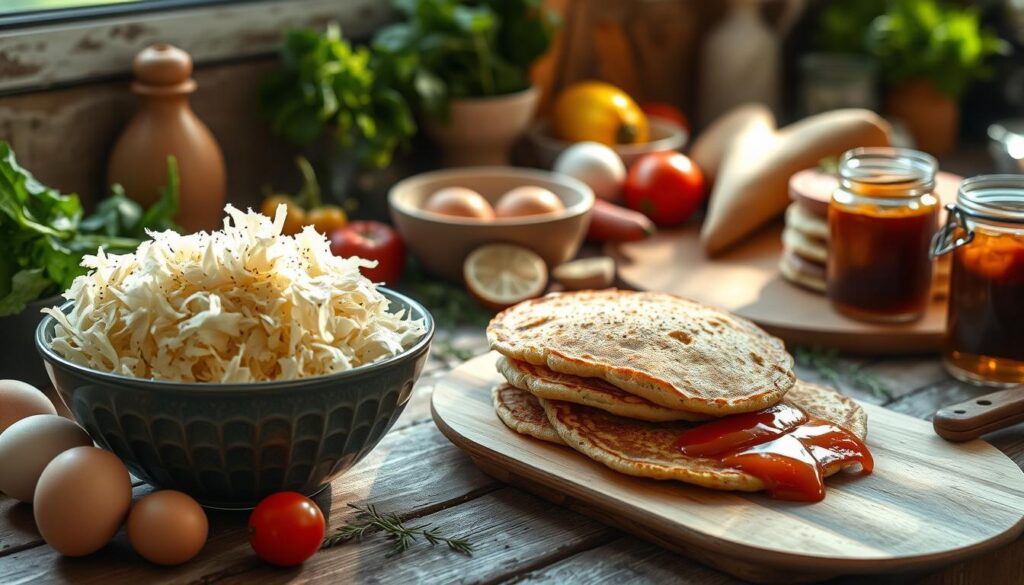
(783, 446)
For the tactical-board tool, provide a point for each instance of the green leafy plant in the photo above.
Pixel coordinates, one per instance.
(933, 40)
(450, 49)
(43, 235)
(327, 84)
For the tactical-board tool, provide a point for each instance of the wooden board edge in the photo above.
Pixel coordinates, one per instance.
(789, 566)
(866, 344)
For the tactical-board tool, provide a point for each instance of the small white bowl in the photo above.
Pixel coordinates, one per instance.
(441, 243)
(664, 136)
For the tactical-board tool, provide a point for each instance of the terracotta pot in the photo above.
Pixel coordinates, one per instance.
(481, 131)
(932, 117)
(165, 125)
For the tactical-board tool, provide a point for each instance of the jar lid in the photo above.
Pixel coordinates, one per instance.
(994, 198)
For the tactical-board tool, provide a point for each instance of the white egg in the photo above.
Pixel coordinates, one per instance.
(28, 446)
(595, 164)
(19, 400)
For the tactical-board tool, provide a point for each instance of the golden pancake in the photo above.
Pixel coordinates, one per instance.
(806, 222)
(673, 352)
(804, 246)
(803, 272)
(545, 383)
(646, 449)
(522, 413)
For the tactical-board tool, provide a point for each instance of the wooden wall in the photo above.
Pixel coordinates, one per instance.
(648, 47)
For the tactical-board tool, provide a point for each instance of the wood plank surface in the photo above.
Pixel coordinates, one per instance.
(746, 281)
(928, 503)
(438, 480)
(411, 471)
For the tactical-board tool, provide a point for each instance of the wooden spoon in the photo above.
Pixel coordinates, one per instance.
(978, 416)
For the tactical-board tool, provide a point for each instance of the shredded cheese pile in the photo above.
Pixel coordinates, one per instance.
(244, 304)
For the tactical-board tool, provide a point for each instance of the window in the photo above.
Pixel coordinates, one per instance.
(50, 43)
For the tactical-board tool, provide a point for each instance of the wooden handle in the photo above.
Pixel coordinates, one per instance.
(983, 414)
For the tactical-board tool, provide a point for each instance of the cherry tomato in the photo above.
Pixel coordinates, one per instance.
(296, 217)
(286, 528)
(372, 240)
(666, 112)
(665, 186)
(327, 218)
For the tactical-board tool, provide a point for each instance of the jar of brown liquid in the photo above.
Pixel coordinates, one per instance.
(881, 220)
(985, 328)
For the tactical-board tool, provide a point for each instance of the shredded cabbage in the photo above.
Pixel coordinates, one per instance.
(243, 304)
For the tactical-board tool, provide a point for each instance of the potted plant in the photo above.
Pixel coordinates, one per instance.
(929, 53)
(332, 95)
(465, 65)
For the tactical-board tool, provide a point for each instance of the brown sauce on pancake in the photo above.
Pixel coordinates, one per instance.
(783, 446)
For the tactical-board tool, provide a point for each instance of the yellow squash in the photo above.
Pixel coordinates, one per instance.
(598, 111)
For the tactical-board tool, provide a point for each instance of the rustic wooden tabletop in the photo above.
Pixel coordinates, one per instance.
(518, 537)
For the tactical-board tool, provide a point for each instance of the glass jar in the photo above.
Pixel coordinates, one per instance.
(985, 327)
(881, 220)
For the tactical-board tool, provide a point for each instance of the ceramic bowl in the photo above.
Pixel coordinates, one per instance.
(441, 243)
(230, 445)
(664, 136)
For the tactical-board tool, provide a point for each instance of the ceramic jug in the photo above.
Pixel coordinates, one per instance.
(741, 60)
(166, 125)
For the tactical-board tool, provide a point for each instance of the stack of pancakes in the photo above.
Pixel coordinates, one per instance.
(805, 237)
(619, 375)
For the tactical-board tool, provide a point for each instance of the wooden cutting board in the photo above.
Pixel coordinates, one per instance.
(746, 281)
(928, 503)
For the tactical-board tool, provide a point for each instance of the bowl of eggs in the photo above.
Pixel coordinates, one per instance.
(445, 215)
(665, 135)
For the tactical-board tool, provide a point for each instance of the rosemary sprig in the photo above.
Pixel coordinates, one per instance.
(444, 349)
(826, 363)
(370, 521)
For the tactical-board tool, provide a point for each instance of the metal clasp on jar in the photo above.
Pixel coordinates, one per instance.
(942, 241)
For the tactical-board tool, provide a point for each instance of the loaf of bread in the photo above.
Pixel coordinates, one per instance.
(752, 183)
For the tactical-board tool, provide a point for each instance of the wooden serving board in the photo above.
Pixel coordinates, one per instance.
(746, 281)
(928, 502)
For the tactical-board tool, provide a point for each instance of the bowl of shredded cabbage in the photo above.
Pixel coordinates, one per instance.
(236, 363)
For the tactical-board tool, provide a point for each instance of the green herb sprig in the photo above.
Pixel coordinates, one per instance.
(826, 363)
(369, 521)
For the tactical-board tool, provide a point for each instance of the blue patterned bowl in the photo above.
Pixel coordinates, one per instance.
(230, 445)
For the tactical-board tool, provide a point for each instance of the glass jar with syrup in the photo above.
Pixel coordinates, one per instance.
(881, 221)
(985, 328)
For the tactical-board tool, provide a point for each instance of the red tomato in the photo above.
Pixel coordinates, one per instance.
(666, 112)
(372, 240)
(665, 186)
(286, 528)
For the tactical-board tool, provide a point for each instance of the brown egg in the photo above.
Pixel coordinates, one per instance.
(167, 527)
(81, 500)
(528, 200)
(19, 400)
(459, 202)
(27, 446)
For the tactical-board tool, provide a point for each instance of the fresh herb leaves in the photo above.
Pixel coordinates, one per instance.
(327, 84)
(826, 363)
(936, 40)
(43, 235)
(450, 49)
(369, 521)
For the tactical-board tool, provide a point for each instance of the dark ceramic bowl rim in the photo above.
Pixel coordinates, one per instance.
(275, 387)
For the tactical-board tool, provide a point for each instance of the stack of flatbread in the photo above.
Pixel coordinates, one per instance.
(619, 375)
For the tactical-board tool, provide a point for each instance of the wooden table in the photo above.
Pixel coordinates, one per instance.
(518, 537)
